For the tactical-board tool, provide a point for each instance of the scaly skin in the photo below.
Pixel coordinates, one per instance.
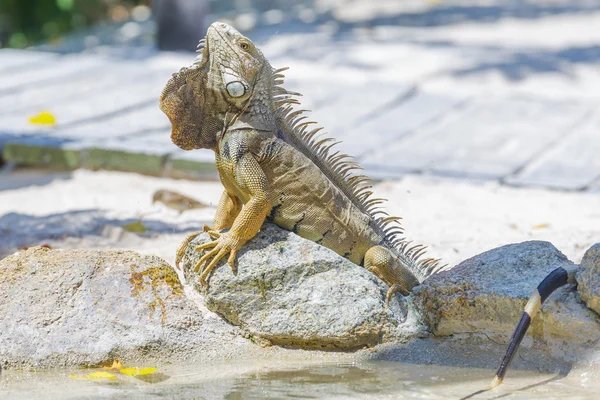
(274, 168)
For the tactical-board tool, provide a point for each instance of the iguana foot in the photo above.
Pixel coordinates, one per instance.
(394, 289)
(188, 239)
(225, 243)
(183, 247)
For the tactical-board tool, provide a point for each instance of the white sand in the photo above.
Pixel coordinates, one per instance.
(457, 219)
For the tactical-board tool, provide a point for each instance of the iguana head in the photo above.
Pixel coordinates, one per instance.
(225, 81)
(235, 65)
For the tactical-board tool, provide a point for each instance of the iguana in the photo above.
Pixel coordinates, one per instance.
(275, 166)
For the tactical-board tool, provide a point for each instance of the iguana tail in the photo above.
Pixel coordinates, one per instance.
(555, 279)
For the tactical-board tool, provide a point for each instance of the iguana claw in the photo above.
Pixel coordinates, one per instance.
(220, 247)
(211, 232)
(183, 247)
(395, 288)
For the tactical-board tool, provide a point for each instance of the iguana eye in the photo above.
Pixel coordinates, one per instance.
(236, 89)
(244, 46)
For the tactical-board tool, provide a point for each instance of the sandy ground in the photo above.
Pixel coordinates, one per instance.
(456, 219)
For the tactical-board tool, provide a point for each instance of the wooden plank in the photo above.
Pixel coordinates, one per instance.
(503, 135)
(105, 118)
(572, 164)
(97, 106)
(417, 110)
(489, 139)
(154, 143)
(11, 60)
(135, 123)
(51, 70)
(76, 88)
(354, 105)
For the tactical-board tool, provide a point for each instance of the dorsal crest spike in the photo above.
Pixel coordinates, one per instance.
(312, 133)
(295, 121)
(305, 124)
(282, 102)
(296, 113)
(389, 220)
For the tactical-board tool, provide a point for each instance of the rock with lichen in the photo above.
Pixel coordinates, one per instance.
(486, 295)
(293, 292)
(84, 307)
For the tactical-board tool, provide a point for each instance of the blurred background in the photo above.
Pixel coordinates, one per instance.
(29, 22)
(478, 118)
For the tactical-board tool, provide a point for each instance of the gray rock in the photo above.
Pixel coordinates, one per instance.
(588, 278)
(487, 293)
(294, 292)
(79, 307)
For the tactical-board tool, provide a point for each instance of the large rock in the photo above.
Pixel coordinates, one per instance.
(294, 292)
(78, 307)
(487, 293)
(588, 278)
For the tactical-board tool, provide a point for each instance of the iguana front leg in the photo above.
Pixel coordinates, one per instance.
(252, 181)
(229, 207)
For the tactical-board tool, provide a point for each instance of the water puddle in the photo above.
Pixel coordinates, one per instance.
(285, 380)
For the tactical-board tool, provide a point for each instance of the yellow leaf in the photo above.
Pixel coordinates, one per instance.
(43, 118)
(95, 376)
(135, 227)
(116, 365)
(137, 371)
(541, 226)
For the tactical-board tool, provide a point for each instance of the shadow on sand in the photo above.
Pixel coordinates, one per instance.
(22, 230)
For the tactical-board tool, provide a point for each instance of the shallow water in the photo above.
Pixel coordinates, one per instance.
(278, 380)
